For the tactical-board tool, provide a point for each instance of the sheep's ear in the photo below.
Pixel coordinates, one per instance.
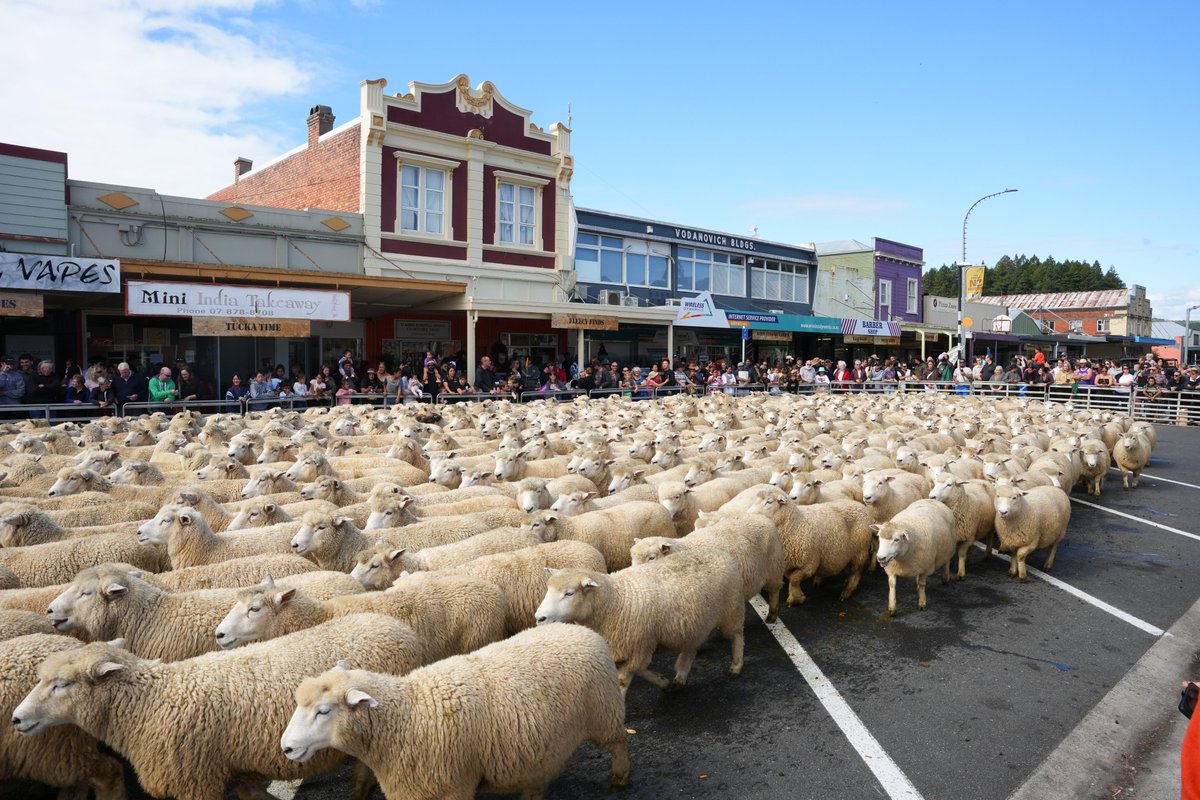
(902, 536)
(551, 571)
(269, 508)
(875, 529)
(269, 580)
(86, 475)
(610, 461)
(392, 555)
(591, 495)
(588, 583)
(337, 484)
(666, 547)
(190, 497)
(286, 597)
(115, 590)
(890, 478)
(103, 669)
(551, 517)
(342, 664)
(1022, 493)
(118, 643)
(405, 502)
(639, 473)
(341, 520)
(356, 697)
(231, 466)
(185, 518)
(139, 466)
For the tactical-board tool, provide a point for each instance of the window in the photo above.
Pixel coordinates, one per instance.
(422, 200)
(609, 259)
(772, 280)
(719, 273)
(517, 214)
(913, 298)
(1075, 325)
(1101, 325)
(885, 297)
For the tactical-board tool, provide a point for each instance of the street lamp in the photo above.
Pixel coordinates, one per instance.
(1187, 335)
(962, 266)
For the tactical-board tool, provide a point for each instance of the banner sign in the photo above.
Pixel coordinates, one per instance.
(171, 299)
(974, 283)
(586, 322)
(700, 312)
(421, 330)
(876, 340)
(870, 327)
(771, 336)
(246, 326)
(59, 273)
(21, 304)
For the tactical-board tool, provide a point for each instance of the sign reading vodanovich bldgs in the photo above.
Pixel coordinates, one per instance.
(171, 299)
(59, 273)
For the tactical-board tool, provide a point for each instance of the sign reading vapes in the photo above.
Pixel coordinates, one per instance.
(59, 273)
(170, 299)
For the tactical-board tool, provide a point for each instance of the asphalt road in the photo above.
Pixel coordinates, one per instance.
(967, 698)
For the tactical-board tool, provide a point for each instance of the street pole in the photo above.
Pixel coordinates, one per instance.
(1187, 335)
(962, 267)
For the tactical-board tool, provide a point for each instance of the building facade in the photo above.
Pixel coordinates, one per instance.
(1110, 312)
(882, 279)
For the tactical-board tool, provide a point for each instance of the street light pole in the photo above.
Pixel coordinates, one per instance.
(962, 267)
(1187, 335)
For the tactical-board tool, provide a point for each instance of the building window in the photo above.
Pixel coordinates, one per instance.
(518, 214)
(1075, 325)
(885, 297)
(772, 280)
(609, 259)
(913, 297)
(422, 200)
(705, 271)
(1101, 325)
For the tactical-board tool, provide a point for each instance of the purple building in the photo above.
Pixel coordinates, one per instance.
(898, 269)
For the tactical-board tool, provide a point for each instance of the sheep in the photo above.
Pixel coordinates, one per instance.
(673, 603)
(513, 466)
(16, 622)
(190, 541)
(268, 481)
(259, 513)
(504, 739)
(610, 530)
(818, 541)
(21, 470)
(66, 757)
(8, 579)
(752, 541)
(917, 542)
(215, 514)
(888, 492)
(234, 573)
(451, 614)
(199, 709)
(534, 494)
(59, 562)
(137, 473)
(469, 505)
(974, 512)
(108, 602)
(684, 503)
(333, 490)
(1030, 519)
(223, 467)
(1131, 454)
(1096, 462)
(500, 540)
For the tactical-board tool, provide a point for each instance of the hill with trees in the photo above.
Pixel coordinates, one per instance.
(1027, 275)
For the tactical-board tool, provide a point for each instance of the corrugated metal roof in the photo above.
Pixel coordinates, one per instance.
(1059, 301)
(1165, 329)
(843, 246)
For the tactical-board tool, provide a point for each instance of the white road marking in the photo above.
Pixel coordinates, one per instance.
(284, 790)
(1165, 480)
(1136, 519)
(894, 781)
(1153, 630)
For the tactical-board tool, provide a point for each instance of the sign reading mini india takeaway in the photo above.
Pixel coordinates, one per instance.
(59, 273)
(171, 299)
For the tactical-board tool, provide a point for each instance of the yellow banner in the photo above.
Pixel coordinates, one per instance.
(974, 283)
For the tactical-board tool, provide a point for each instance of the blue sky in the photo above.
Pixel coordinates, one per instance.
(811, 123)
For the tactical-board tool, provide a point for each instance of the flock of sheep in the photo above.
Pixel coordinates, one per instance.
(180, 589)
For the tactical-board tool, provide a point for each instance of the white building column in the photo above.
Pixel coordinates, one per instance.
(472, 357)
(671, 343)
(579, 353)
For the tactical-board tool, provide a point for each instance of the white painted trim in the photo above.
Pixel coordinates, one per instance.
(420, 237)
(890, 776)
(510, 248)
(403, 156)
(516, 177)
(1136, 519)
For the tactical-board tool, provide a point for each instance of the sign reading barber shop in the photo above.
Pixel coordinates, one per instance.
(59, 273)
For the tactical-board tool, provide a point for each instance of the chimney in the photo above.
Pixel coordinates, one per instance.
(240, 167)
(320, 121)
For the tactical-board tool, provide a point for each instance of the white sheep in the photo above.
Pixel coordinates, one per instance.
(136, 473)
(973, 505)
(1131, 454)
(888, 492)
(1028, 520)
(9, 579)
(1096, 461)
(268, 481)
(219, 714)
(535, 494)
(260, 512)
(916, 542)
(439, 557)
(504, 739)
(59, 562)
(673, 603)
(190, 541)
(17, 622)
(611, 530)
(65, 757)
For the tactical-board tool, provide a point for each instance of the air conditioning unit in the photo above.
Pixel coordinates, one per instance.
(631, 300)
(674, 302)
(610, 297)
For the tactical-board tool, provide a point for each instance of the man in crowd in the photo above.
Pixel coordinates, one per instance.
(129, 386)
(12, 383)
(485, 377)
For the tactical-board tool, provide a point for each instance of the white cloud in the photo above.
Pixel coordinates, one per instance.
(143, 92)
(1173, 301)
(825, 204)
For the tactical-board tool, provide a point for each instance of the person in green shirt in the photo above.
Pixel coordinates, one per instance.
(162, 388)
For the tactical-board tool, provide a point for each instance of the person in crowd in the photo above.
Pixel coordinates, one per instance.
(47, 388)
(1150, 396)
(345, 366)
(821, 382)
(666, 375)
(774, 379)
(345, 394)
(903, 371)
(130, 386)
(485, 376)
(104, 396)
(372, 385)
(1104, 381)
(887, 375)
(70, 370)
(188, 386)
(318, 388)
(12, 383)
(1085, 375)
(402, 378)
(77, 392)
(162, 387)
(260, 391)
(25, 365)
(414, 391)
(930, 372)
(237, 393)
(586, 381)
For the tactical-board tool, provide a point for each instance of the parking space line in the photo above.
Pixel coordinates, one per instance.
(1158, 478)
(1136, 519)
(1153, 630)
(894, 781)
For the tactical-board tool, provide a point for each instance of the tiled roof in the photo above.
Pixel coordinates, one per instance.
(1059, 301)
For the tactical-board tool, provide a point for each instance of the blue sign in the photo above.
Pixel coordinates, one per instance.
(745, 334)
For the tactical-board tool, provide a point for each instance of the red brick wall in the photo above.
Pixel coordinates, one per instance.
(1059, 319)
(322, 176)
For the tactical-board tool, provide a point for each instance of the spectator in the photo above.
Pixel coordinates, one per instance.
(586, 381)
(318, 389)
(345, 366)
(25, 366)
(1149, 397)
(104, 396)
(12, 383)
(260, 391)
(77, 393)
(188, 388)
(414, 392)
(345, 395)
(70, 370)
(237, 393)
(930, 372)
(129, 385)
(162, 388)
(821, 381)
(373, 385)
(47, 388)
(485, 376)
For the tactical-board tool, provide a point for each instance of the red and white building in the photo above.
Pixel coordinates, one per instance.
(1109, 312)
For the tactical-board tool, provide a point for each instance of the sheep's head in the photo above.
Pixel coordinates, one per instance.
(1009, 501)
(946, 487)
(698, 473)
(132, 473)
(323, 704)
(574, 503)
(541, 525)
(567, 596)
(16, 529)
(94, 600)
(251, 616)
(67, 678)
(259, 514)
(673, 495)
(389, 511)
(318, 530)
(379, 566)
(894, 541)
(652, 548)
(169, 517)
(73, 481)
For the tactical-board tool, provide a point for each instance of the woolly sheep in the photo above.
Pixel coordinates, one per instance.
(888, 492)
(220, 713)
(1028, 520)
(916, 542)
(59, 562)
(259, 513)
(15, 622)
(506, 738)
(819, 541)
(974, 510)
(268, 481)
(72, 482)
(451, 614)
(611, 530)
(234, 573)
(499, 540)
(223, 467)
(534, 494)
(1096, 461)
(752, 541)
(137, 473)
(684, 503)
(1131, 454)
(190, 541)
(8, 579)
(673, 603)
(64, 757)
(333, 490)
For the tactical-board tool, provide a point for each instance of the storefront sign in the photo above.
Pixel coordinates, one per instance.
(247, 326)
(876, 340)
(700, 312)
(771, 336)
(422, 330)
(870, 327)
(170, 299)
(59, 273)
(586, 322)
(21, 304)
(715, 239)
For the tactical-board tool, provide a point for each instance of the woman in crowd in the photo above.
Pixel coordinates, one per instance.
(188, 389)
(104, 396)
(318, 388)
(237, 393)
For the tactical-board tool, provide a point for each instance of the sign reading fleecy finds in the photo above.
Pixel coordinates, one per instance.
(59, 273)
(171, 299)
